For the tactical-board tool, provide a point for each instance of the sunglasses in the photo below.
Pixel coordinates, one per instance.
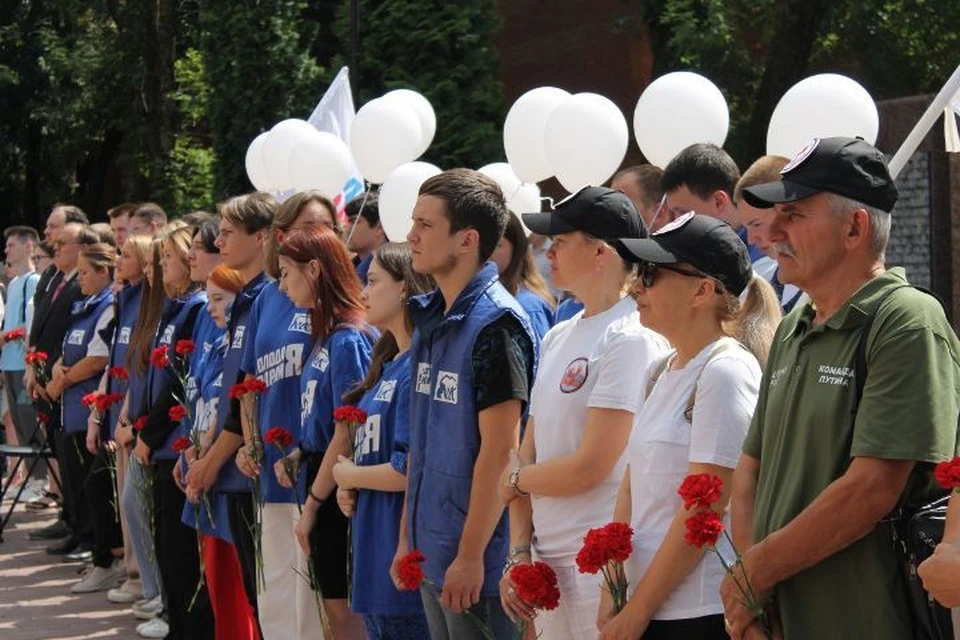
(648, 272)
(57, 244)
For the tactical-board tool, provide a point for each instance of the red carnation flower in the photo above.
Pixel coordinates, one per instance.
(350, 414)
(536, 584)
(703, 528)
(185, 347)
(160, 358)
(43, 418)
(177, 413)
(278, 437)
(701, 489)
(36, 357)
(238, 391)
(102, 402)
(409, 570)
(139, 424)
(612, 542)
(181, 444)
(90, 399)
(256, 385)
(16, 334)
(947, 474)
(119, 373)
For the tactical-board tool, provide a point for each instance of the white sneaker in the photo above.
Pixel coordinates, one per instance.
(155, 628)
(147, 609)
(34, 490)
(100, 579)
(129, 592)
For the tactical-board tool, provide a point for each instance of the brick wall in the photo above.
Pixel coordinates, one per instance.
(909, 245)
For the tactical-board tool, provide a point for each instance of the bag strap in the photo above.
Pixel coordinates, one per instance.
(725, 345)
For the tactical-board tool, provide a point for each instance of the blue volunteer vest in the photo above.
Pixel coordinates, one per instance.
(208, 383)
(444, 429)
(83, 323)
(279, 344)
(230, 479)
(384, 439)
(540, 314)
(175, 316)
(128, 306)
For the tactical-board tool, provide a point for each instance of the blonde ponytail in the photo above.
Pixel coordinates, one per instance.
(754, 321)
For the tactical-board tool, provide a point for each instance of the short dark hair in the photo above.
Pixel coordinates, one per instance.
(22, 233)
(647, 177)
(72, 213)
(704, 168)
(46, 249)
(252, 211)
(208, 229)
(473, 201)
(88, 236)
(369, 209)
(150, 212)
(105, 233)
(196, 218)
(123, 209)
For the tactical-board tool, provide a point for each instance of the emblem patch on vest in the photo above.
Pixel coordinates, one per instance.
(300, 323)
(385, 391)
(447, 387)
(76, 337)
(124, 336)
(575, 375)
(238, 337)
(167, 336)
(423, 377)
(321, 361)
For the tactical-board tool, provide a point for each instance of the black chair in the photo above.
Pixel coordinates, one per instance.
(33, 452)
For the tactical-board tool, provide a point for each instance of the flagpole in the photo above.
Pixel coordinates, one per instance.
(925, 123)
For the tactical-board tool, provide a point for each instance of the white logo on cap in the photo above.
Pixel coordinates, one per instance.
(676, 224)
(800, 157)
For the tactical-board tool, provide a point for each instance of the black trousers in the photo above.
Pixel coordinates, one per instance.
(178, 560)
(75, 463)
(705, 628)
(240, 514)
(103, 500)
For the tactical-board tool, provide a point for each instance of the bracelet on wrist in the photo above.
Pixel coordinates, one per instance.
(515, 482)
(315, 498)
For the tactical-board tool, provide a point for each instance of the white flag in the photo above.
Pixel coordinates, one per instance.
(334, 114)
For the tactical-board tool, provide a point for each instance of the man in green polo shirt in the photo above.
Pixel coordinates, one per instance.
(816, 479)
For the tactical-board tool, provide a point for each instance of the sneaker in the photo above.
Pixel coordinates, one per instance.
(129, 592)
(153, 628)
(101, 579)
(145, 609)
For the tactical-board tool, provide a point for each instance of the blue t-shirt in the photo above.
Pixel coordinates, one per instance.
(206, 372)
(278, 342)
(335, 367)
(363, 267)
(567, 309)
(19, 292)
(384, 439)
(540, 313)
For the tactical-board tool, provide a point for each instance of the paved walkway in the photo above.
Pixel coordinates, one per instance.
(35, 598)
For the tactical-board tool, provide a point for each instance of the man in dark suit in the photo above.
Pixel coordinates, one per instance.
(56, 292)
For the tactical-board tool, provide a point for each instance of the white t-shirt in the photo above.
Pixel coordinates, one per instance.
(585, 362)
(664, 442)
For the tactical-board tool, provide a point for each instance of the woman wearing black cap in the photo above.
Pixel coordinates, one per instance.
(697, 288)
(581, 410)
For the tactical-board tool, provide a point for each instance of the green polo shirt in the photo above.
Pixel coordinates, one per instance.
(804, 435)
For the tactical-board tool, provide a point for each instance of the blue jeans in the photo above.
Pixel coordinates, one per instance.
(412, 627)
(141, 532)
(446, 625)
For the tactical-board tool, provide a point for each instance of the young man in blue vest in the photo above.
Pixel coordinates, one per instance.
(474, 354)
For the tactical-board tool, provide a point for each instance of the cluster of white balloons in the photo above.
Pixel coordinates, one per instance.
(295, 155)
(390, 131)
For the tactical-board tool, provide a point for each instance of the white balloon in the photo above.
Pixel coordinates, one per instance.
(523, 132)
(821, 106)
(677, 110)
(425, 113)
(398, 195)
(320, 161)
(585, 139)
(283, 137)
(384, 135)
(521, 197)
(256, 166)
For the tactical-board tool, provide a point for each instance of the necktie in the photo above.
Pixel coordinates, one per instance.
(56, 292)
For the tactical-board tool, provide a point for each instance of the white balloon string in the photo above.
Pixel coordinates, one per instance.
(363, 203)
(656, 214)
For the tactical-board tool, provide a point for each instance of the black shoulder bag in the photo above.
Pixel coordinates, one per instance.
(914, 532)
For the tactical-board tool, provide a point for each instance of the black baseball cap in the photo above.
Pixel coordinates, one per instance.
(601, 212)
(849, 167)
(707, 243)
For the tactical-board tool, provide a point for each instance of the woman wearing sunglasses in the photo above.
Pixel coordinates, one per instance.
(697, 288)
